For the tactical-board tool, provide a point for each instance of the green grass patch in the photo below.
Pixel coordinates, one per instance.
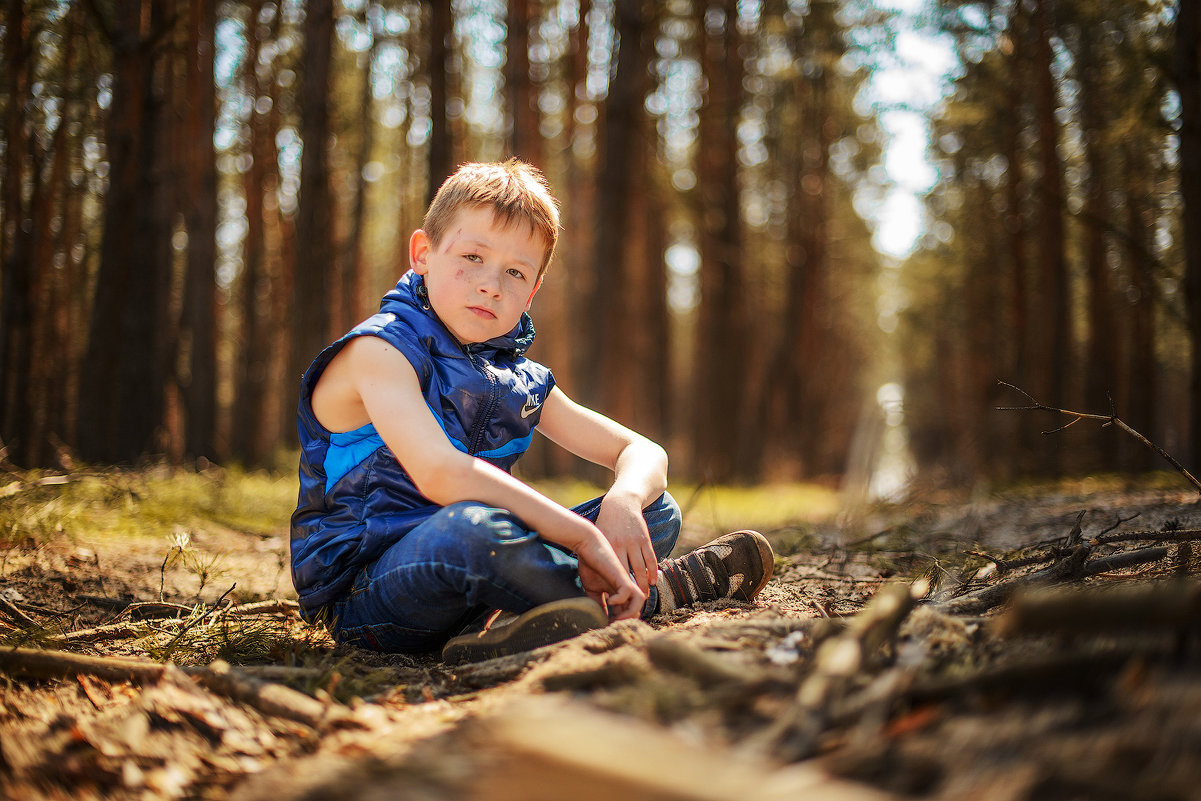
(152, 502)
(155, 502)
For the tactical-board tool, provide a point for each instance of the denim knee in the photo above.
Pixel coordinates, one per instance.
(495, 545)
(664, 521)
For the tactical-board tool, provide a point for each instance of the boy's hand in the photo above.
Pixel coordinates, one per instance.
(607, 582)
(620, 520)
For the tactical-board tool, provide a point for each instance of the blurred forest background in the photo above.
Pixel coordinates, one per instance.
(198, 196)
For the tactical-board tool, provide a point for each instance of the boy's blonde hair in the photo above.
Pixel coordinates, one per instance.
(517, 192)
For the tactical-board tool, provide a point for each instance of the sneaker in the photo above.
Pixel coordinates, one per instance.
(735, 566)
(542, 625)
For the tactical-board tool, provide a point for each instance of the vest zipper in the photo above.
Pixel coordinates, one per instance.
(481, 421)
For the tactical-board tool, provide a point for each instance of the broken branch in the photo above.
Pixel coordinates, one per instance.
(1104, 419)
(267, 697)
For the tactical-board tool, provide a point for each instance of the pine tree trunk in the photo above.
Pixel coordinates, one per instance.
(200, 213)
(1051, 377)
(1101, 367)
(122, 382)
(607, 383)
(525, 140)
(441, 148)
(1188, 84)
(721, 322)
(1142, 376)
(310, 314)
(353, 295)
(16, 245)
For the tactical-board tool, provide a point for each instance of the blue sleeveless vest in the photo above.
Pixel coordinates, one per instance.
(355, 499)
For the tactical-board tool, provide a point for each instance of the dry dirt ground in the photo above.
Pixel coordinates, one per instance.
(1006, 648)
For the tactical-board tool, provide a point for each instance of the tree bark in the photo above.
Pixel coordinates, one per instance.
(605, 381)
(441, 148)
(525, 139)
(252, 364)
(1142, 374)
(200, 214)
(122, 382)
(1101, 370)
(16, 281)
(1188, 84)
(354, 270)
(721, 317)
(1052, 281)
(310, 313)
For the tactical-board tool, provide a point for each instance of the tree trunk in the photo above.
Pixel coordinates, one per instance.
(1188, 84)
(122, 383)
(604, 379)
(721, 318)
(16, 245)
(200, 213)
(1016, 359)
(49, 350)
(353, 294)
(310, 313)
(254, 312)
(1142, 375)
(524, 138)
(1102, 362)
(1052, 314)
(441, 148)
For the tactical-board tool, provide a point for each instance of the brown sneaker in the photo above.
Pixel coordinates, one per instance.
(735, 566)
(542, 625)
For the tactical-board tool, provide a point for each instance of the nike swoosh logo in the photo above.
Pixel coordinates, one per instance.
(531, 406)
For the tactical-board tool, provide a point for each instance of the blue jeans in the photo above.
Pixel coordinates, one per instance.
(464, 561)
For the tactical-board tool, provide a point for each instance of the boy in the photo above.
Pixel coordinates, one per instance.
(409, 528)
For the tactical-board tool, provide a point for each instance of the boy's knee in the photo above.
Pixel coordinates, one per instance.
(664, 521)
(478, 521)
(664, 511)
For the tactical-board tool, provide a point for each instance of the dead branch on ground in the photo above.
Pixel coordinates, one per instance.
(265, 696)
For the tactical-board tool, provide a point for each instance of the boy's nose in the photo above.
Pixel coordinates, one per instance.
(490, 284)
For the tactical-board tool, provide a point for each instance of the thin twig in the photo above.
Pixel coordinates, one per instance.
(1104, 419)
(192, 624)
(10, 609)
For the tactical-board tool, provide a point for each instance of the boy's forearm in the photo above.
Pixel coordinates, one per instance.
(471, 479)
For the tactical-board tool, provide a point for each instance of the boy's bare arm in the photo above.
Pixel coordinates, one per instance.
(640, 476)
(378, 380)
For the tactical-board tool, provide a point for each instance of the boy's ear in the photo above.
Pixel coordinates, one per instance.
(530, 300)
(419, 250)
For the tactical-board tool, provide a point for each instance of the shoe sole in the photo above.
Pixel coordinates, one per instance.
(543, 625)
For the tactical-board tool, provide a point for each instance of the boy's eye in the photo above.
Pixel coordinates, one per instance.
(473, 257)
(513, 271)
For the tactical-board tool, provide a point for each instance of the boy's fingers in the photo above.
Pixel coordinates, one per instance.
(652, 566)
(639, 571)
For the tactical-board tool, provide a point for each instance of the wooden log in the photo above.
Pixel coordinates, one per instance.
(1164, 605)
(676, 655)
(1073, 566)
(267, 697)
(982, 600)
(547, 748)
(36, 664)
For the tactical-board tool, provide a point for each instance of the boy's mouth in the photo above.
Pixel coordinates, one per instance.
(480, 311)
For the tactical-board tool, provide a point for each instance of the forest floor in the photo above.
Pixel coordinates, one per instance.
(1010, 646)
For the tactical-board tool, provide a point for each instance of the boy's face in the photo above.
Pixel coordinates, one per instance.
(482, 276)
